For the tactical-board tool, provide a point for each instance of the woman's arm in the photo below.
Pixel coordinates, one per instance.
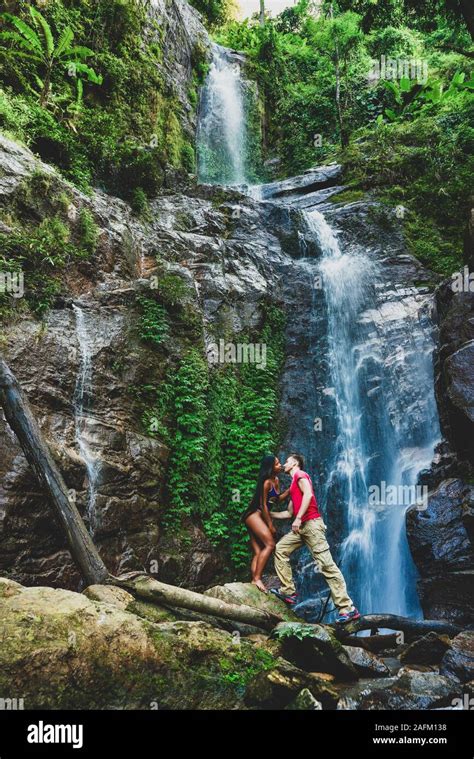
(287, 514)
(265, 512)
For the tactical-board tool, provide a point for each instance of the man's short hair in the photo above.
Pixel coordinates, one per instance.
(299, 458)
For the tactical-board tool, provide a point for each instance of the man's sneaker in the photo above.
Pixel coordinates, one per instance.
(291, 600)
(349, 616)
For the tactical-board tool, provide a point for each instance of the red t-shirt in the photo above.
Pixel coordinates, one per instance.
(312, 512)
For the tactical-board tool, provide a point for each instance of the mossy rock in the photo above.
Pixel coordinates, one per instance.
(315, 648)
(64, 650)
(250, 595)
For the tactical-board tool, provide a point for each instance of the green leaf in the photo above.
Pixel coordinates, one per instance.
(391, 114)
(80, 51)
(64, 41)
(405, 84)
(26, 31)
(82, 68)
(48, 35)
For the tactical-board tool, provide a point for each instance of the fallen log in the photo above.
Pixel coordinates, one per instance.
(415, 627)
(146, 587)
(373, 643)
(20, 418)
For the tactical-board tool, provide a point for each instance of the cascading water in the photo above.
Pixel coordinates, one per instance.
(221, 137)
(83, 396)
(372, 361)
(387, 422)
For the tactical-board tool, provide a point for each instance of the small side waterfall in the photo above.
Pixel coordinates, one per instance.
(222, 132)
(83, 399)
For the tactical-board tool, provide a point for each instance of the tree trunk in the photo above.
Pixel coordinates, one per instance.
(337, 64)
(262, 13)
(20, 418)
(148, 588)
(468, 16)
(413, 627)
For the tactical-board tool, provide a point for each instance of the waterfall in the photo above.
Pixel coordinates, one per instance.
(221, 137)
(380, 365)
(367, 363)
(83, 398)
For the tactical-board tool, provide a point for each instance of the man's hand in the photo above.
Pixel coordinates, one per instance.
(296, 525)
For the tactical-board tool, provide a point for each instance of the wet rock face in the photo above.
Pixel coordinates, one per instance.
(458, 662)
(429, 649)
(366, 663)
(455, 371)
(440, 539)
(97, 315)
(178, 28)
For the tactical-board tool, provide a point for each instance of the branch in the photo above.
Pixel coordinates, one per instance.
(394, 622)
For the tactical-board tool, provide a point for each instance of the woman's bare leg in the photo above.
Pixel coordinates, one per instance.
(256, 548)
(263, 535)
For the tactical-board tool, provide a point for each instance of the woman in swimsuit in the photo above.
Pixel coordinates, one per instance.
(258, 520)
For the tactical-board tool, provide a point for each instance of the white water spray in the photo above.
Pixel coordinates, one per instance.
(222, 130)
(83, 396)
(379, 440)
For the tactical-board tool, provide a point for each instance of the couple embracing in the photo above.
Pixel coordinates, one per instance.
(308, 528)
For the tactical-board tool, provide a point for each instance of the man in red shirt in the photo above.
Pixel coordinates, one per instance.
(308, 528)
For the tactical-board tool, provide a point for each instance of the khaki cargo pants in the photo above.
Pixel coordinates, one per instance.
(312, 534)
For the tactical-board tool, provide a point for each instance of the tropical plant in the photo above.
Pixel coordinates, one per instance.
(411, 96)
(37, 45)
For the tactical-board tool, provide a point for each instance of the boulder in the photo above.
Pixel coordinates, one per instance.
(459, 660)
(304, 701)
(366, 663)
(248, 594)
(455, 370)
(440, 539)
(429, 649)
(437, 535)
(459, 369)
(409, 690)
(314, 648)
(119, 660)
(278, 687)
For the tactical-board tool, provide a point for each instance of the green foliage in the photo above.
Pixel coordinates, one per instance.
(40, 252)
(218, 423)
(172, 289)
(35, 45)
(294, 630)
(215, 12)
(121, 135)
(242, 409)
(88, 232)
(185, 480)
(139, 203)
(154, 324)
